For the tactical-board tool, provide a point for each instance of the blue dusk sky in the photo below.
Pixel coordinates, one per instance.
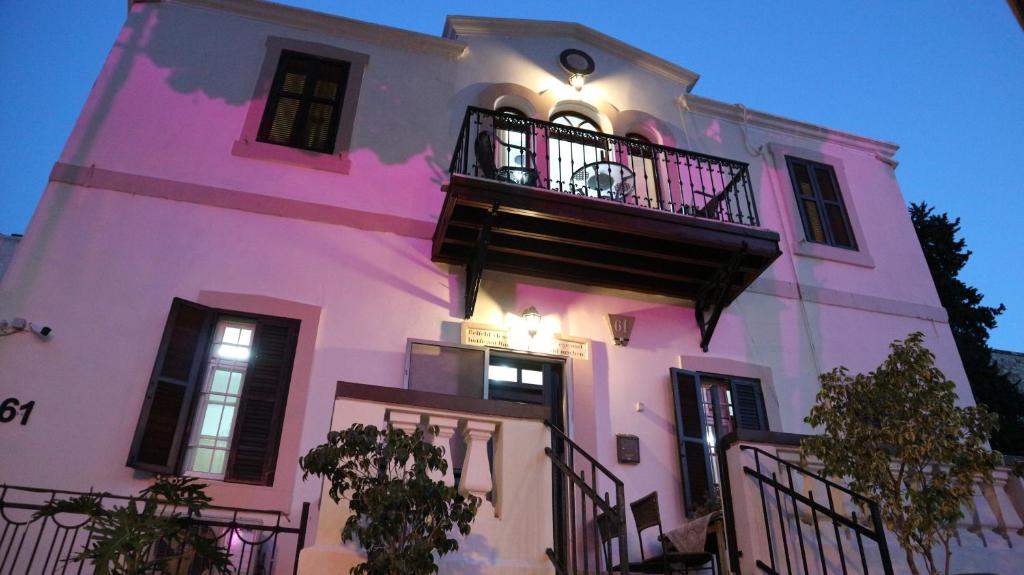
(944, 79)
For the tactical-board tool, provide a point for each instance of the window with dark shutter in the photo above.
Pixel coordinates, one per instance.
(264, 396)
(198, 391)
(820, 203)
(707, 408)
(168, 404)
(305, 102)
(694, 458)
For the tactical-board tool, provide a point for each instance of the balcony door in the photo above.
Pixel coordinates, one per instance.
(708, 407)
(569, 151)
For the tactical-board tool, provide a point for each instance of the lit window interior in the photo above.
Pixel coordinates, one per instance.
(210, 441)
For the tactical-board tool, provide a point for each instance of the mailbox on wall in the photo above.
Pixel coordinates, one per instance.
(627, 447)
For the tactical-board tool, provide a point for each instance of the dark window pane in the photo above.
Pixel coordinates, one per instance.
(690, 404)
(696, 471)
(814, 227)
(803, 180)
(326, 90)
(294, 83)
(162, 425)
(448, 370)
(828, 190)
(182, 347)
(284, 121)
(318, 125)
(837, 224)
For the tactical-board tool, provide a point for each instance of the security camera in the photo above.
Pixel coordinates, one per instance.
(41, 331)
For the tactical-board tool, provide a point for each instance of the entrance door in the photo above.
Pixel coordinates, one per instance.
(529, 379)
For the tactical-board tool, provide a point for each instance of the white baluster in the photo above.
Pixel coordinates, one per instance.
(476, 470)
(407, 421)
(446, 427)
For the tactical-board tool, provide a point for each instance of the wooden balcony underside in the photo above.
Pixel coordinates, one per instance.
(591, 241)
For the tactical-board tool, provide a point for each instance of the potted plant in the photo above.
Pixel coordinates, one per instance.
(148, 534)
(401, 516)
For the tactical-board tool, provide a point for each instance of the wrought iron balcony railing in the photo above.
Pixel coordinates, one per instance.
(519, 150)
(257, 542)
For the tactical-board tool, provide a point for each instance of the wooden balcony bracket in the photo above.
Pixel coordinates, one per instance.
(714, 295)
(475, 265)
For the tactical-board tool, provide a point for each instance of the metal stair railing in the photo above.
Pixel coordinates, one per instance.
(583, 545)
(815, 526)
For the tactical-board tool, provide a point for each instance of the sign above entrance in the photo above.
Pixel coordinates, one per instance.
(502, 338)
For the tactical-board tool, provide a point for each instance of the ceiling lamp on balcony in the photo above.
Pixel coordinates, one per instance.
(578, 64)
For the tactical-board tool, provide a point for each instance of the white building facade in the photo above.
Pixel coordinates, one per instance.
(268, 223)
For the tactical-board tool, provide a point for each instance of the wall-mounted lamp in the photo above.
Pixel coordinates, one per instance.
(577, 80)
(578, 64)
(532, 319)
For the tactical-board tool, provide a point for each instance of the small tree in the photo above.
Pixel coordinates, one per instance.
(147, 534)
(899, 437)
(400, 515)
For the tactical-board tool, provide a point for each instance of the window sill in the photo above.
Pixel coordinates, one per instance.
(337, 163)
(824, 252)
(242, 495)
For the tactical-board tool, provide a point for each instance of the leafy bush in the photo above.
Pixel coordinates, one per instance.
(400, 515)
(900, 438)
(147, 534)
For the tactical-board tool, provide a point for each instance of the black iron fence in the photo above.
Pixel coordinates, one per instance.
(258, 542)
(590, 529)
(812, 525)
(519, 150)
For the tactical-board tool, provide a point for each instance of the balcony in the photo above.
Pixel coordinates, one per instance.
(550, 200)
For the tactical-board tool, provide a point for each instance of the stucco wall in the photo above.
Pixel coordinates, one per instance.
(145, 207)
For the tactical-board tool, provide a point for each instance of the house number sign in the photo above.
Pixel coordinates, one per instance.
(11, 408)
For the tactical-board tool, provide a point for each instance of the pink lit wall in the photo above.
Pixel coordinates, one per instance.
(148, 203)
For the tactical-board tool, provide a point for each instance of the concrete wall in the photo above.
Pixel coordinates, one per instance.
(148, 202)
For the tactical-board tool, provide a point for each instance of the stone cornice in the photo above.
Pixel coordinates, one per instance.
(764, 120)
(327, 24)
(462, 26)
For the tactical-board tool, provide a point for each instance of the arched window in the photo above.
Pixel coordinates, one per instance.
(569, 151)
(514, 147)
(642, 159)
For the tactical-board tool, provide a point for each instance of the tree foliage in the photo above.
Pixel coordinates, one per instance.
(899, 437)
(400, 515)
(970, 322)
(148, 534)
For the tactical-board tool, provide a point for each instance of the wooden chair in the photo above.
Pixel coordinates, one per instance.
(608, 533)
(646, 515)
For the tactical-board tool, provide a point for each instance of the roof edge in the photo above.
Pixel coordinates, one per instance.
(740, 114)
(462, 26)
(326, 24)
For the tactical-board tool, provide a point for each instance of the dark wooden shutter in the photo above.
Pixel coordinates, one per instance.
(172, 387)
(257, 430)
(748, 405)
(694, 453)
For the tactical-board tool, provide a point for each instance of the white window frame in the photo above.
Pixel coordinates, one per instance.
(213, 364)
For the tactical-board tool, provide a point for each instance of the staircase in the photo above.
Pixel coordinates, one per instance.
(590, 527)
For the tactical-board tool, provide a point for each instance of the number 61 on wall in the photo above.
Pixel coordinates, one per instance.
(10, 407)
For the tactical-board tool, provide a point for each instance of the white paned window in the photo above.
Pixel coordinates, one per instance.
(210, 440)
